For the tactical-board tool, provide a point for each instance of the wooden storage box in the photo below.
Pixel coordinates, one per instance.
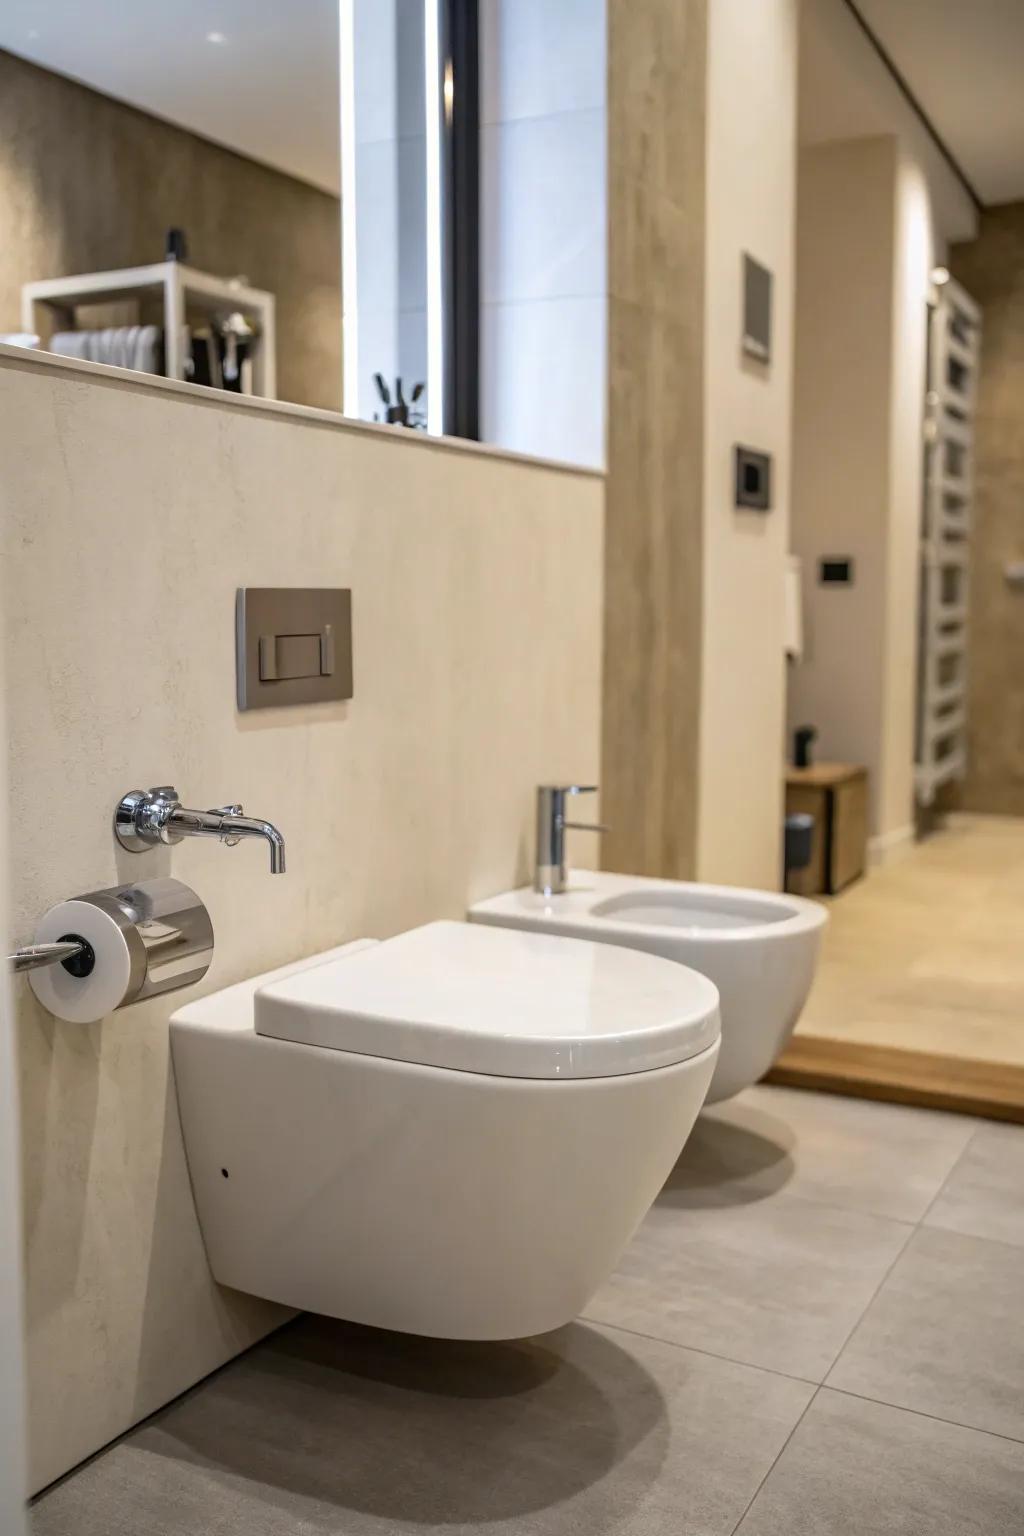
(836, 795)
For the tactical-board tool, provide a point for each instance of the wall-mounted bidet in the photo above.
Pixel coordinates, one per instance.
(759, 948)
(454, 1132)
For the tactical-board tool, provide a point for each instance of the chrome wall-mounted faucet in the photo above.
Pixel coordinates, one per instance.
(551, 875)
(144, 818)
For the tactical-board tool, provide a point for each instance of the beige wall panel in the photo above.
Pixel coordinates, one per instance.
(656, 149)
(992, 270)
(130, 513)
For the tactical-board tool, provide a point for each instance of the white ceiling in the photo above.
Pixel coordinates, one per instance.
(964, 61)
(260, 76)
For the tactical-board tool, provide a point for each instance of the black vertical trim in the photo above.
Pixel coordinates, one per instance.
(460, 53)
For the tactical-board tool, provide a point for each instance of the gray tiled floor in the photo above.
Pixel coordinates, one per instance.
(856, 1469)
(945, 1335)
(985, 1195)
(882, 1159)
(780, 1284)
(800, 1238)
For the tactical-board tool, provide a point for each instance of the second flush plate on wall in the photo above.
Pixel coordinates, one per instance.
(293, 645)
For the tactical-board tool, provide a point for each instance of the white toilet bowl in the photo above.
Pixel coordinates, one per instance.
(454, 1132)
(758, 947)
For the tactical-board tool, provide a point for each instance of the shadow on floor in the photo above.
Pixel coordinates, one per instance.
(731, 1161)
(328, 1412)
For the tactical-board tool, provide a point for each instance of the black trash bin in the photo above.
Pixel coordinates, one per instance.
(799, 840)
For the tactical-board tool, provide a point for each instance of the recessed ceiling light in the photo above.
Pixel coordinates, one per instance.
(216, 37)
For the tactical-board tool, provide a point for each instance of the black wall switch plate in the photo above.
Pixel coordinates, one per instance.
(835, 571)
(753, 479)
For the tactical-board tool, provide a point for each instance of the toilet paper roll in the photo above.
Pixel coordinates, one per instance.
(86, 999)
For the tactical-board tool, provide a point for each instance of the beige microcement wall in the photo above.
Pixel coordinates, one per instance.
(694, 670)
(88, 184)
(916, 251)
(865, 248)
(845, 241)
(750, 207)
(130, 514)
(656, 95)
(12, 1343)
(991, 268)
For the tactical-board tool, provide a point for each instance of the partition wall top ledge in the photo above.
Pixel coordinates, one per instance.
(29, 360)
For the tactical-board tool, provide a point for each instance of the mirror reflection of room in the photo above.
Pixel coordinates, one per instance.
(169, 192)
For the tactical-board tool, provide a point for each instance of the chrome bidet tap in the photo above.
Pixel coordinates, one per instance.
(551, 875)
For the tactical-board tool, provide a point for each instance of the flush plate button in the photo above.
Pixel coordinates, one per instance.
(284, 658)
(293, 645)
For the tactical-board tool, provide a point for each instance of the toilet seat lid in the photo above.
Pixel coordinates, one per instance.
(498, 1001)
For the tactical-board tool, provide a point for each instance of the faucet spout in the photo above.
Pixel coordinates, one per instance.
(229, 824)
(237, 826)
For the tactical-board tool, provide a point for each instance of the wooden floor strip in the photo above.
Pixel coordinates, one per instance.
(884, 1072)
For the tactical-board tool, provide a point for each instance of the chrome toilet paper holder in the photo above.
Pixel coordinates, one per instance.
(162, 939)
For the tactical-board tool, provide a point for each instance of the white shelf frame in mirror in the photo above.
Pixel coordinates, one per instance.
(183, 288)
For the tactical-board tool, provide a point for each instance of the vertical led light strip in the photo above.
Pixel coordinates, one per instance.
(349, 273)
(435, 218)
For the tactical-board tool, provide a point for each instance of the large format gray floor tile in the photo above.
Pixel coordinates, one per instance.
(984, 1195)
(331, 1428)
(945, 1335)
(780, 1284)
(879, 1158)
(861, 1469)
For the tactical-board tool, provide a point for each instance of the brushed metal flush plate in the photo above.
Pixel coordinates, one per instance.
(293, 645)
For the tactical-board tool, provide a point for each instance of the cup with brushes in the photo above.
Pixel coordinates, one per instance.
(397, 410)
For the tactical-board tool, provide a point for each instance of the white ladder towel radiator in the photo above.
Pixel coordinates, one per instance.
(954, 343)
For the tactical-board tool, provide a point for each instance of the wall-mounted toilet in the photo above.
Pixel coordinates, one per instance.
(759, 948)
(454, 1132)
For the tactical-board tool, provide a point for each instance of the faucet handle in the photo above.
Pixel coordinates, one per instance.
(584, 826)
(142, 818)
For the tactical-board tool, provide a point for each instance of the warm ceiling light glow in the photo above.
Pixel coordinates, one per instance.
(449, 91)
(217, 38)
(940, 275)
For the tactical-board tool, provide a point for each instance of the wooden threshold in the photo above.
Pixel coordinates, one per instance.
(884, 1072)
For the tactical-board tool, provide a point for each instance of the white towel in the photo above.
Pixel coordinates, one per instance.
(147, 349)
(118, 346)
(70, 344)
